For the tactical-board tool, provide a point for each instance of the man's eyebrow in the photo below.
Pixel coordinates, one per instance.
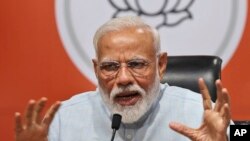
(129, 59)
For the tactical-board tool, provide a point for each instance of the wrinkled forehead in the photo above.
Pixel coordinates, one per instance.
(128, 42)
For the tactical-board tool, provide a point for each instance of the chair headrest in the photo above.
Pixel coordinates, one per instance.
(184, 71)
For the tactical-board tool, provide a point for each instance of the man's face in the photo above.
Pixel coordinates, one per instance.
(127, 71)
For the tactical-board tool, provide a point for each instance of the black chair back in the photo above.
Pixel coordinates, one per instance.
(184, 71)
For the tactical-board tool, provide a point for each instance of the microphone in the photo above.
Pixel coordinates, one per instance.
(116, 121)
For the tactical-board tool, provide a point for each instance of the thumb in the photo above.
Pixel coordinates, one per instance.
(183, 129)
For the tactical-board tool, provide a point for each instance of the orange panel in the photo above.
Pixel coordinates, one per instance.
(236, 76)
(33, 62)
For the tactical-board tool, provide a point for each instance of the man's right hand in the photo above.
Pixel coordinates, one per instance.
(31, 127)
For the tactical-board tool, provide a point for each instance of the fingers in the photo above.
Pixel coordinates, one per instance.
(32, 114)
(29, 113)
(222, 96)
(225, 113)
(219, 100)
(51, 113)
(38, 108)
(182, 129)
(205, 94)
(33, 111)
(225, 96)
(218, 120)
(18, 125)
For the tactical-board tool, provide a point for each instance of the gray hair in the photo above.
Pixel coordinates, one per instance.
(120, 23)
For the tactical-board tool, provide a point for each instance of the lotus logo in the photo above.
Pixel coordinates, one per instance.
(170, 12)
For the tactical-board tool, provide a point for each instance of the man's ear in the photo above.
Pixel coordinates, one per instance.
(162, 64)
(94, 61)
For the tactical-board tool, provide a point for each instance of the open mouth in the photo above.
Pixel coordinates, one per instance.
(127, 98)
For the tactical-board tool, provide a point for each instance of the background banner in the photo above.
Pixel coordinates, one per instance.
(46, 46)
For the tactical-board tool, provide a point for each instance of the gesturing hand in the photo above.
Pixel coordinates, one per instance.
(216, 120)
(32, 128)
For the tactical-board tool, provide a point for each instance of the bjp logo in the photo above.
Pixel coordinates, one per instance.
(168, 12)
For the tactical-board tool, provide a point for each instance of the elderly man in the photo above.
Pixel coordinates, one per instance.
(129, 67)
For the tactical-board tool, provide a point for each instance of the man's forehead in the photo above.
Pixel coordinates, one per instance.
(130, 43)
(127, 35)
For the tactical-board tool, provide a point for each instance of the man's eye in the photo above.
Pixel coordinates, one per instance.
(137, 64)
(110, 66)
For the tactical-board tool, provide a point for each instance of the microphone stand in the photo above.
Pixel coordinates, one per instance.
(113, 135)
(116, 121)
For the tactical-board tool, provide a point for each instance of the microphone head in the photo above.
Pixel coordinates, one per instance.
(116, 121)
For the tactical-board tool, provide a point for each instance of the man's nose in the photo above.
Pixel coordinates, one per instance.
(124, 76)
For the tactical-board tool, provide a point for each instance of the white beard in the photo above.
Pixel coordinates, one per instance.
(131, 114)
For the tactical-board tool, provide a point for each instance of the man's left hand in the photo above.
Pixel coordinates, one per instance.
(216, 120)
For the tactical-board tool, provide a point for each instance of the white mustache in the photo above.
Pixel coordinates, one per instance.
(130, 88)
